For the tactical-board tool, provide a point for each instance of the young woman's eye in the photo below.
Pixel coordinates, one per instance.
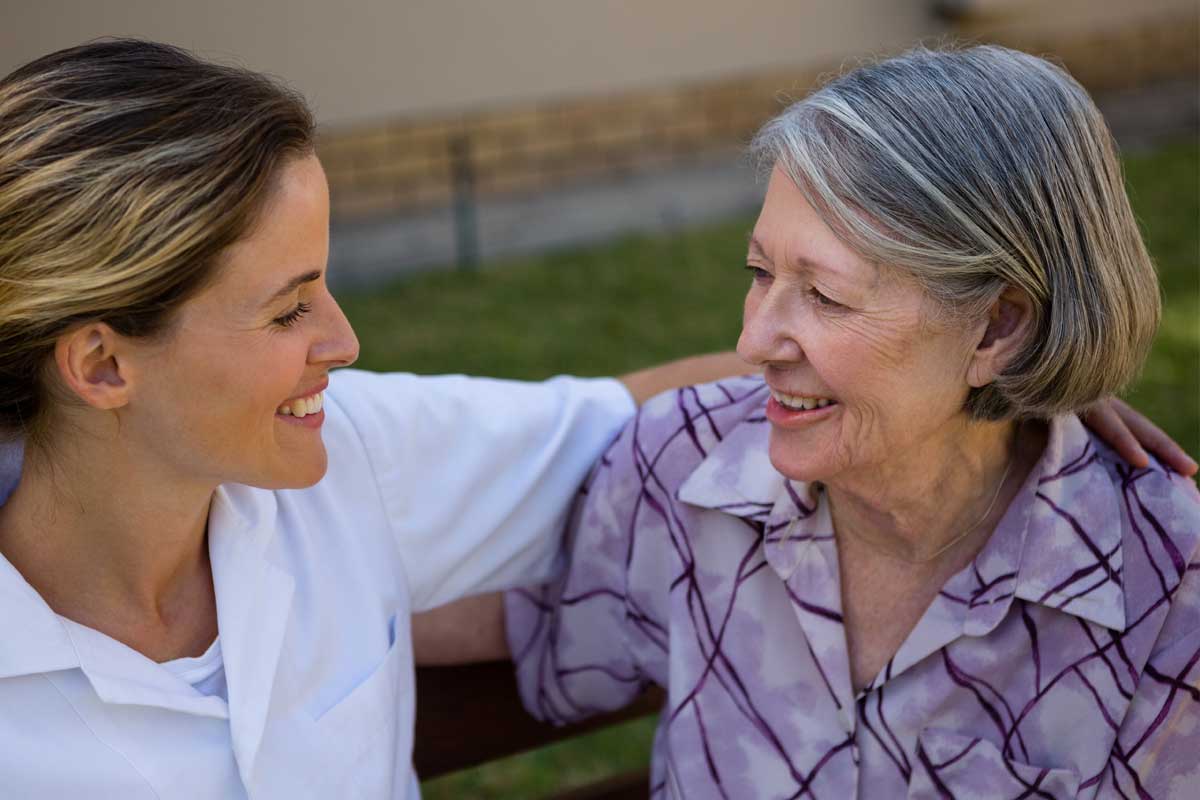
(289, 319)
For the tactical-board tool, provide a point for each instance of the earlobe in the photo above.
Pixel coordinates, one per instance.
(90, 365)
(1009, 320)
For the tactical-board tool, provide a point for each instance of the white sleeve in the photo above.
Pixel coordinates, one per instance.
(476, 474)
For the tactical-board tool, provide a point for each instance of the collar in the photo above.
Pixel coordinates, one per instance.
(34, 637)
(35, 640)
(254, 597)
(1058, 545)
(254, 600)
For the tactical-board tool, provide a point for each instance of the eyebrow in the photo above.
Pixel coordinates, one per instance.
(800, 261)
(756, 248)
(294, 284)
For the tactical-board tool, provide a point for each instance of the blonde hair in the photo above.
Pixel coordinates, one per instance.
(977, 169)
(126, 167)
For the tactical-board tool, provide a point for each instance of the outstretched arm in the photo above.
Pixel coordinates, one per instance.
(462, 632)
(472, 629)
(645, 383)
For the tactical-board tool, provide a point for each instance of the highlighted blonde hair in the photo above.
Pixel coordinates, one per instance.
(977, 169)
(126, 168)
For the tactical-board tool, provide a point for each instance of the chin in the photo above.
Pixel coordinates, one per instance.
(798, 463)
(298, 473)
(310, 474)
(305, 481)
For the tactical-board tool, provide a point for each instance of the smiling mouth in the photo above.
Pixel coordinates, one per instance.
(302, 406)
(795, 402)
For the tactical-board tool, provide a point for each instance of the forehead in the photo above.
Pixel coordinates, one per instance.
(791, 235)
(290, 236)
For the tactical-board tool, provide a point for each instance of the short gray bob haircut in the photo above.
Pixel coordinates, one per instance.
(974, 169)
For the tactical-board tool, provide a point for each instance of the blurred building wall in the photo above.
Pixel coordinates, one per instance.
(367, 60)
(494, 127)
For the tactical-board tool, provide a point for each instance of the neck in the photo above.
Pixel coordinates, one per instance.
(936, 501)
(107, 539)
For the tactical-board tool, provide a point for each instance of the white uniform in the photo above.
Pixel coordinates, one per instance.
(437, 488)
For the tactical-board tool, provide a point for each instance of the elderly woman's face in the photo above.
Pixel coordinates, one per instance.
(860, 367)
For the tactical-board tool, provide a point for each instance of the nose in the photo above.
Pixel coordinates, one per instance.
(769, 330)
(335, 345)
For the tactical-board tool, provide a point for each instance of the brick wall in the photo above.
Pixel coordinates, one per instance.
(410, 164)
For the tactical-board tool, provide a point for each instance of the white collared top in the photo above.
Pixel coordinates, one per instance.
(436, 488)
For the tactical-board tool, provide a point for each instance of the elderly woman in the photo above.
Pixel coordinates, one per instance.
(897, 565)
(209, 546)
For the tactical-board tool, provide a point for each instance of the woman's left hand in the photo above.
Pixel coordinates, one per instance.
(1131, 434)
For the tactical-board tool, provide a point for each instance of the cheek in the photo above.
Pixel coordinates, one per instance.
(880, 376)
(857, 358)
(281, 376)
(886, 345)
(906, 386)
(254, 380)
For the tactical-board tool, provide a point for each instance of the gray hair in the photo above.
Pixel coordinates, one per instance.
(977, 169)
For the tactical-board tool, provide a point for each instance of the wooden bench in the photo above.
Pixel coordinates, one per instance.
(469, 715)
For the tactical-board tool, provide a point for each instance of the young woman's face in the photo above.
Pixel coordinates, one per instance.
(217, 399)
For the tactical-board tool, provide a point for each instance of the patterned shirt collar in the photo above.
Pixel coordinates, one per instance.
(1039, 552)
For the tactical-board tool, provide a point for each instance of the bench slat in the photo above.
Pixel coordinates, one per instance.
(629, 786)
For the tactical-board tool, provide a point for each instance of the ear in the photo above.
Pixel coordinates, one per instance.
(89, 360)
(1010, 319)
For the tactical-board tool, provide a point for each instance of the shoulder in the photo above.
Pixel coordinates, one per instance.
(446, 404)
(675, 431)
(1160, 508)
(1160, 543)
(706, 411)
(359, 396)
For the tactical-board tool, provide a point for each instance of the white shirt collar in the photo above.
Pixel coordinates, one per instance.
(253, 604)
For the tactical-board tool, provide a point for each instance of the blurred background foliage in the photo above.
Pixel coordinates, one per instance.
(620, 306)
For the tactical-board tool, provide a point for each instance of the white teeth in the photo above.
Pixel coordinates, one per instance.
(798, 403)
(303, 406)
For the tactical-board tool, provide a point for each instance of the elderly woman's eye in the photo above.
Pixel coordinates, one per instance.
(758, 273)
(823, 300)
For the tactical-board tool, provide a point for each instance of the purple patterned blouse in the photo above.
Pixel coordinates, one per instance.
(1061, 663)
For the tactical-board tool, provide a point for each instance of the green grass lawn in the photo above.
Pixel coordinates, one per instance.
(610, 309)
(1165, 189)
